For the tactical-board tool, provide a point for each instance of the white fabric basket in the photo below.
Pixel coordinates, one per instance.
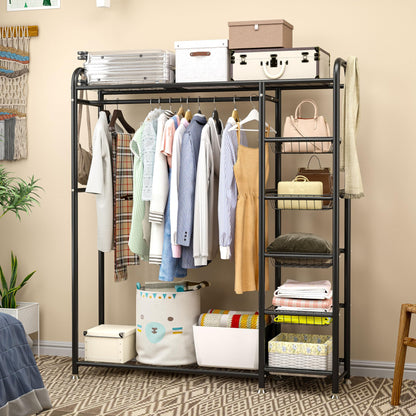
(164, 320)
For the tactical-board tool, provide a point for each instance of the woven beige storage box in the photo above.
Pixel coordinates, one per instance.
(307, 351)
(110, 343)
(255, 34)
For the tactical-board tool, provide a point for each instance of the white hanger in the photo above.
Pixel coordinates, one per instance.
(253, 115)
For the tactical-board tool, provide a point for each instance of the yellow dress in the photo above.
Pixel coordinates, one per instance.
(246, 171)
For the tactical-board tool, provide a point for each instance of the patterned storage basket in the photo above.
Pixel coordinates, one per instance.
(306, 351)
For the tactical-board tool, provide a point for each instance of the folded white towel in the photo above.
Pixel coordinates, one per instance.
(299, 309)
(319, 289)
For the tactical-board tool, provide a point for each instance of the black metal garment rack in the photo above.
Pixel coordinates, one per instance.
(263, 91)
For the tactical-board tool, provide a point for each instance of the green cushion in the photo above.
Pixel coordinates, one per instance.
(299, 243)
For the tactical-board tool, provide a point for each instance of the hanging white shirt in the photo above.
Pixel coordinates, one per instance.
(100, 182)
(205, 233)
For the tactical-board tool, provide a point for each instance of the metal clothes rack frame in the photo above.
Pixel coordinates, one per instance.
(236, 92)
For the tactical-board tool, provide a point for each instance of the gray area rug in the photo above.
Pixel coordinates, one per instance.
(117, 392)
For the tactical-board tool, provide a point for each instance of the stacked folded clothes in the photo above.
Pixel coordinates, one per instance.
(303, 297)
(234, 319)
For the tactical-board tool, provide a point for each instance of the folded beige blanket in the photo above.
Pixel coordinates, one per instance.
(349, 157)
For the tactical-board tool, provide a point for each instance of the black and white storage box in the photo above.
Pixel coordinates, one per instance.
(110, 343)
(294, 63)
(202, 61)
(129, 67)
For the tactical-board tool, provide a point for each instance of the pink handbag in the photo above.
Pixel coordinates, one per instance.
(306, 127)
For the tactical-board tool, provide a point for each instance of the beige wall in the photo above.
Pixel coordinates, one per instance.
(380, 33)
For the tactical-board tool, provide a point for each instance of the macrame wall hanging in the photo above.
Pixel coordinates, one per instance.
(14, 73)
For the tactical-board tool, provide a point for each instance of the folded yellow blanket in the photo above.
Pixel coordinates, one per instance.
(308, 320)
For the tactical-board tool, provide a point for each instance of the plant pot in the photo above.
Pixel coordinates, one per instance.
(27, 313)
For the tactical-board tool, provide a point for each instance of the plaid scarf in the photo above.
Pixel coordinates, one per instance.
(123, 204)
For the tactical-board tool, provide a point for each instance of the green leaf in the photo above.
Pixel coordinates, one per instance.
(8, 294)
(3, 281)
(13, 277)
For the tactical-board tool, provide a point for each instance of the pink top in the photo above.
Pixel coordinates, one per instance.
(167, 139)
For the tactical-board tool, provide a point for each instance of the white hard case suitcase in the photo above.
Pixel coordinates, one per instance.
(146, 66)
(202, 61)
(291, 63)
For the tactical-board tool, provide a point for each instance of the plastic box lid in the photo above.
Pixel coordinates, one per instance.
(192, 44)
(110, 331)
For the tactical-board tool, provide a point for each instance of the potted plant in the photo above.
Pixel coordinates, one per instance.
(17, 196)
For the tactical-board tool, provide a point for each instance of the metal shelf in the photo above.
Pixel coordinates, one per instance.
(264, 90)
(189, 369)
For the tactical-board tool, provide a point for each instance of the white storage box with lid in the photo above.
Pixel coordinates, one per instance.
(307, 351)
(110, 343)
(202, 61)
(227, 347)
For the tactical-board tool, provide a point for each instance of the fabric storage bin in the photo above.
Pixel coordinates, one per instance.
(260, 34)
(110, 343)
(202, 60)
(226, 347)
(164, 320)
(307, 351)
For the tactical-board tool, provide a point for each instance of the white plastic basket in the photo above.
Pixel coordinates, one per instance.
(307, 351)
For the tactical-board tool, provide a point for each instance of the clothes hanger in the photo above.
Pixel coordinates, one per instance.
(168, 113)
(188, 114)
(180, 113)
(118, 115)
(199, 107)
(253, 115)
(216, 118)
(108, 114)
(234, 114)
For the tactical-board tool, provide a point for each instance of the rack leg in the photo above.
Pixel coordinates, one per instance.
(261, 391)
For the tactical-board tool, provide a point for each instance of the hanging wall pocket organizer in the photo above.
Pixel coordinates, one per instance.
(14, 73)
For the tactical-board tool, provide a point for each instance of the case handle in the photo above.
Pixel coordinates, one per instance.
(200, 53)
(275, 76)
(300, 178)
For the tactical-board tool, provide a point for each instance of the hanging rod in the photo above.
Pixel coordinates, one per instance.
(175, 100)
(18, 31)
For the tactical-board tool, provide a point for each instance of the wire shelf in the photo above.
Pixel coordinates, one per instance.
(299, 145)
(300, 202)
(309, 260)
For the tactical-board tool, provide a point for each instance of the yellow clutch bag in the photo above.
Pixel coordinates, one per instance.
(299, 186)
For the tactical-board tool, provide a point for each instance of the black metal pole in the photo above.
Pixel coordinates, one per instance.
(335, 230)
(347, 289)
(101, 268)
(74, 217)
(278, 176)
(261, 277)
